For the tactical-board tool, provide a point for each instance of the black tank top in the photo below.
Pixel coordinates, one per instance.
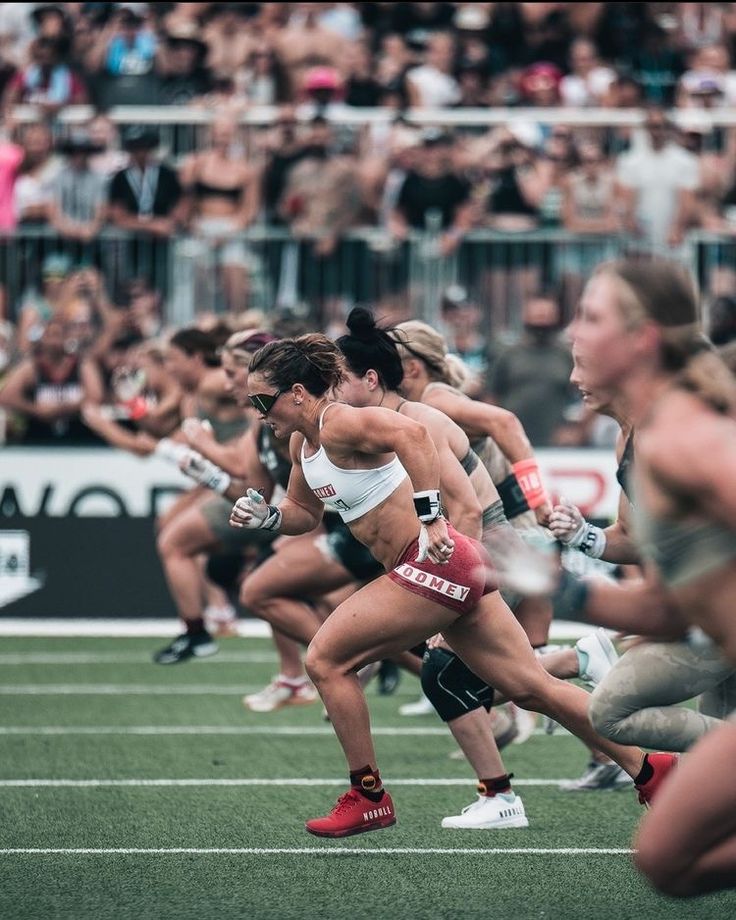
(506, 197)
(57, 389)
(623, 473)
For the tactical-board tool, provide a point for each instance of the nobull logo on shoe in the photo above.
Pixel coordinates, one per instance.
(433, 582)
(374, 813)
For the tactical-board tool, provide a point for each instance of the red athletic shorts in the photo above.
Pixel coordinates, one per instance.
(457, 585)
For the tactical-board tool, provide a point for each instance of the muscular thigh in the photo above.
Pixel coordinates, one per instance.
(379, 620)
(188, 533)
(494, 646)
(298, 568)
(661, 673)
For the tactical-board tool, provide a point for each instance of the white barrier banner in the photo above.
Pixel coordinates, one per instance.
(60, 482)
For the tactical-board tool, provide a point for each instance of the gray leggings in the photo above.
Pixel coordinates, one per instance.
(636, 701)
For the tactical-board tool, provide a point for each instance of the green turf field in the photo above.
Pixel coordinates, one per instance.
(166, 775)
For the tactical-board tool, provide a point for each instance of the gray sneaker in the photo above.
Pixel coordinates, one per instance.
(599, 776)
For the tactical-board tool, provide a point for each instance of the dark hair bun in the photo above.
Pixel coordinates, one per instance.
(362, 324)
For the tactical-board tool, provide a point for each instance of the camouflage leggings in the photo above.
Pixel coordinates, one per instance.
(636, 702)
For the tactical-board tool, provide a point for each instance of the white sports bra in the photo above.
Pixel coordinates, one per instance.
(350, 493)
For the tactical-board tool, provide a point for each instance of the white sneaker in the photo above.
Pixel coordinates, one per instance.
(489, 813)
(422, 707)
(278, 694)
(596, 657)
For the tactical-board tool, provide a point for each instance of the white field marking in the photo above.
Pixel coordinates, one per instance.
(76, 658)
(272, 730)
(140, 627)
(318, 851)
(125, 689)
(136, 783)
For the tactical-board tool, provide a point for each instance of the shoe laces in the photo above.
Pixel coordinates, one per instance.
(345, 802)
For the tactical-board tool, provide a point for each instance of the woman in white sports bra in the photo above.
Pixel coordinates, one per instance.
(380, 471)
(640, 335)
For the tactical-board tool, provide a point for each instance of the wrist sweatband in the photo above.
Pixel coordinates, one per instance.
(428, 505)
(593, 542)
(137, 408)
(530, 482)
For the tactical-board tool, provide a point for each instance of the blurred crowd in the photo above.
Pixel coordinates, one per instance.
(366, 54)
(90, 211)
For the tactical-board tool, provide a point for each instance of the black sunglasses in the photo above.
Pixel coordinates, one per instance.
(264, 402)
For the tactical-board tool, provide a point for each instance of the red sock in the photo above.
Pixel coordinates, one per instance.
(367, 782)
(491, 787)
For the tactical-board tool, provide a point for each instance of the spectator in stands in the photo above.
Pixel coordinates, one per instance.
(230, 39)
(104, 134)
(144, 303)
(48, 388)
(461, 326)
(432, 84)
(79, 202)
(224, 192)
(473, 85)
(656, 184)
(38, 306)
(540, 85)
(589, 81)
(532, 378)
(263, 79)
(181, 66)
(322, 197)
(124, 54)
(393, 62)
(46, 82)
(38, 172)
(147, 196)
(362, 89)
(433, 193)
(589, 208)
(284, 149)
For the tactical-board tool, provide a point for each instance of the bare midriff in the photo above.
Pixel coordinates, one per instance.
(389, 528)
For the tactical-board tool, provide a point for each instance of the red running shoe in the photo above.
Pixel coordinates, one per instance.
(662, 764)
(354, 814)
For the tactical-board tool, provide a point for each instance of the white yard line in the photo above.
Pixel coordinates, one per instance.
(126, 689)
(318, 851)
(270, 781)
(267, 730)
(9, 626)
(77, 658)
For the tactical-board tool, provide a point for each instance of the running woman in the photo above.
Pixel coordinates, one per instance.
(635, 703)
(380, 471)
(639, 333)
(435, 377)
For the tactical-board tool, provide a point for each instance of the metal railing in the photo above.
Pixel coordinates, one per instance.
(267, 268)
(184, 128)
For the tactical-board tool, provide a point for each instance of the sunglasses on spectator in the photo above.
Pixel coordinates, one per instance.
(264, 402)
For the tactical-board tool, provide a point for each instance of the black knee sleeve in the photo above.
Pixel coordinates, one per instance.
(223, 569)
(451, 687)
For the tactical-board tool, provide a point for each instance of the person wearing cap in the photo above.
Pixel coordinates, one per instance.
(181, 66)
(79, 202)
(124, 54)
(38, 306)
(147, 196)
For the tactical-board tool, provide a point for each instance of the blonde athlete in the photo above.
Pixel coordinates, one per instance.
(639, 333)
